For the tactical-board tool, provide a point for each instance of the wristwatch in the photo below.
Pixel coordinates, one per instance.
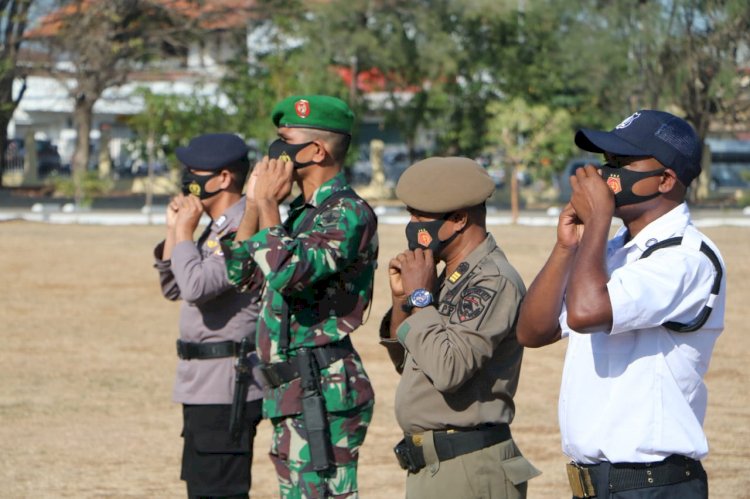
(419, 298)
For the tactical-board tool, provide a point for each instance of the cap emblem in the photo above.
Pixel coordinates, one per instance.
(194, 188)
(628, 121)
(284, 157)
(302, 108)
(424, 238)
(614, 184)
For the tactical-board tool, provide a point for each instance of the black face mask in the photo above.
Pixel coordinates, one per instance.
(288, 152)
(196, 184)
(622, 180)
(424, 235)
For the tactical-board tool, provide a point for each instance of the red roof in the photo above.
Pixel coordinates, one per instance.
(373, 80)
(213, 15)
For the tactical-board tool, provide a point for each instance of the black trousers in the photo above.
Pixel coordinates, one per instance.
(213, 465)
(695, 488)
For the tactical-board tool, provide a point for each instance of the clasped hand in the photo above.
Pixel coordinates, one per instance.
(184, 214)
(591, 200)
(270, 180)
(412, 270)
(592, 197)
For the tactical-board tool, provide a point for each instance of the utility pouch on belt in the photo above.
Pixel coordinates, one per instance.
(314, 412)
(408, 460)
(242, 374)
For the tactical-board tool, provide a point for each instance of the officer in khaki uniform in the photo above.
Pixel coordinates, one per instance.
(452, 338)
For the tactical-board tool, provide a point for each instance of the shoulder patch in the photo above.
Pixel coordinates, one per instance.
(330, 217)
(473, 303)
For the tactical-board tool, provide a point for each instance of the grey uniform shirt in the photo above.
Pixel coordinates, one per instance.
(212, 310)
(462, 359)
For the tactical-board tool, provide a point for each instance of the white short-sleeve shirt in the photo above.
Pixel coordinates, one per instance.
(636, 393)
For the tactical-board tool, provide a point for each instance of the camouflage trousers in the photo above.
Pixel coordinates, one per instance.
(291, 455)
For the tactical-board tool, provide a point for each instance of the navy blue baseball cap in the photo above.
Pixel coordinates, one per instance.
(657, 134)
(213, 151)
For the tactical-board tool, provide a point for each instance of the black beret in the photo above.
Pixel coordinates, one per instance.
(212, 151)
(442, 185)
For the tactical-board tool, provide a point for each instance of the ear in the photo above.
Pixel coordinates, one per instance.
(226, 179)
(320, 151)
(460, 219)
(668, 181)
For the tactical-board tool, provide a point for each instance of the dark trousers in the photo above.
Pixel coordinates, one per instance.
(694, 488)
(214, 465)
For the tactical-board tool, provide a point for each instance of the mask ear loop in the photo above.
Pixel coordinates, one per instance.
(453, 236)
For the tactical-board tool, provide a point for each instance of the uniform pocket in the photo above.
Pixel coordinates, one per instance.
(219, 442)
(519, 470)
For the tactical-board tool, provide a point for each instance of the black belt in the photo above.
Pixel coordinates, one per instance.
(449, 444)
(209, 350)
(627, 476)
(280, 373)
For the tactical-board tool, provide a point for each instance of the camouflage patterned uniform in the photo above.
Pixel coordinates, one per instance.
(326, 274)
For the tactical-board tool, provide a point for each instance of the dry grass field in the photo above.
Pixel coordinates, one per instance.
(87, 362)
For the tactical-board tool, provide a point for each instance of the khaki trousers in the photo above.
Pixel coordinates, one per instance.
(496, 472)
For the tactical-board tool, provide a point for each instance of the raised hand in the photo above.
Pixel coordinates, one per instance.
(569, 228)
(591, 198)
(394, 276)
(274, 180)
(252, 180)
(172, 209)
(418, 270)
(189, 214)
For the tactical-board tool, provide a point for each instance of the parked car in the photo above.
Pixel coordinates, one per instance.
(47, 157)
(730, 165)
(728, 177)
(570, 170)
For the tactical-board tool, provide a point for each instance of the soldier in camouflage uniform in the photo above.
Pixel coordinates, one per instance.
(316, 270)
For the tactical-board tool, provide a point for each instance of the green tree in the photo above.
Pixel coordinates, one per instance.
(530, 136)
(14, 17)
(96, 45)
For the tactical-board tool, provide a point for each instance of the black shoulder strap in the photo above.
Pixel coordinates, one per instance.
(699, 321)
(307, 223)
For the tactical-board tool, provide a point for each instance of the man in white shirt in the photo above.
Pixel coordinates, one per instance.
(641, 313)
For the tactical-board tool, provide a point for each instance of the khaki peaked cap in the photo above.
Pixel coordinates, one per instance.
(442, 185)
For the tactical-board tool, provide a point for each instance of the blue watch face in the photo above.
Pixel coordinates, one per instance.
(421, 298)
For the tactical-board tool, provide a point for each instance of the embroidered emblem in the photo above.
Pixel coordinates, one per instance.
(329, 218)
(456, 275)
(473, 303)
(424, 238)
(446, 309)
(302, 108)
(614, 184)
(284, 157)
(628, 121)
(211, 243)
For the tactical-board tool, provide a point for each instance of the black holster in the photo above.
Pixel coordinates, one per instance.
(314, 412)
(242, 373)
(407, 458)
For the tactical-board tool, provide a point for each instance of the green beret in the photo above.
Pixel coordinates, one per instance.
(314, 111)
(442, 185)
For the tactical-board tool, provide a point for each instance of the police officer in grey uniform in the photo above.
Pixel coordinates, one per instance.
(216, 378)
(452, 339)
